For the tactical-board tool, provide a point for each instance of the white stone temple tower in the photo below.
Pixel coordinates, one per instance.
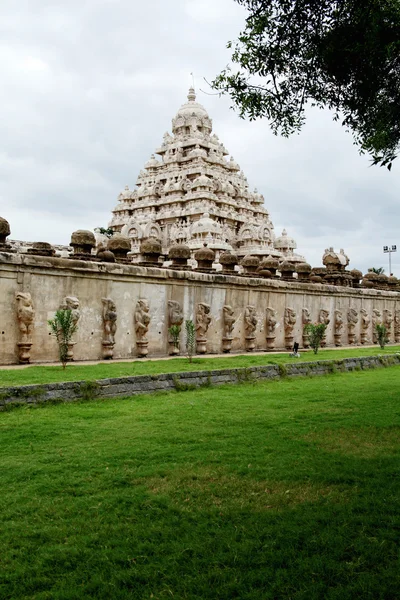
(195, 195)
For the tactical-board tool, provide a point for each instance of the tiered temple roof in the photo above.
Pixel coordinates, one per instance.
(194, 195)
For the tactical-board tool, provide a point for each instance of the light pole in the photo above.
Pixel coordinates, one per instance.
(389, 250)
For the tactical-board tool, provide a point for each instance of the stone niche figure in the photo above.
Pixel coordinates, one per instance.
(365, 321)
(203, 321)
(324, 318)
(271, 323)
(352, 320)
(71, 303)
(306, 319)
(142, 322)
(228, 321)
(250, 326)
(376, 320)
(289, 321)
(387, 321)
(175, 319)
(109, 327)
(397, 326)
(338, 327)
(25, 317)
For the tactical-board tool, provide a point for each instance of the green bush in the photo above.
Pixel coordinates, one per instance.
(63, 328)
(190, 339)
(316, 332)
(382, 335)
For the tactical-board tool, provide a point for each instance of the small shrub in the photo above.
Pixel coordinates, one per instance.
(63, 328)
(190, 339)
(89, 390)
(282, 371)
(316, 332)
(245, 375)
(175, 332)
(382, 335)
(181, 386)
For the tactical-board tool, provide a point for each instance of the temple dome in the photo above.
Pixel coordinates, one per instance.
(191, 107)
(206, 226)
(191, 113)
(284, 242)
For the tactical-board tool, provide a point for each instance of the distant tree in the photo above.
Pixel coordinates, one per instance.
(339, 54)
(378, 271)
(109, 232)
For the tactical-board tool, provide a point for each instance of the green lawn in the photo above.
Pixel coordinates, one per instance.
(278, 490)
(32, 374)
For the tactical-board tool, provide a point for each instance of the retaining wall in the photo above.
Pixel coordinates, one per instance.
(145, 384)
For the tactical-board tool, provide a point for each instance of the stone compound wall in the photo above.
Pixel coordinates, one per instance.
(32, 288)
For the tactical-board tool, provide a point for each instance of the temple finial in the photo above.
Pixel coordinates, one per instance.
(191, 94)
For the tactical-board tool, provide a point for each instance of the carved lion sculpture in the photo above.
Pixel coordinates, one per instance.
(109, 319)
(25, 315)
(250, 320)
(142, 319)
(228, 320)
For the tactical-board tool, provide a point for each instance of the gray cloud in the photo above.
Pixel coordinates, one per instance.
(89, 88)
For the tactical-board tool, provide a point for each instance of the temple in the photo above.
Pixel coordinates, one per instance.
(194, 195)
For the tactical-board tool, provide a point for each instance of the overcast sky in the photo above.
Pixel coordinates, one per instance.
(88, 88)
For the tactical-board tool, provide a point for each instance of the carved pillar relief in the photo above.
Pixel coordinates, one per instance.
(376, 320)
(352, 320)
(25, 317)
(203, 320)
(306, 319)
(289, 323)
(387, 321)
(109, 327)
(175, 320)
(338, 327)
(271, 323)
(142, 321)
(250, 326)
(324, 318)
(364, 326)
(397, 326)
(228, 321)
(71, 303)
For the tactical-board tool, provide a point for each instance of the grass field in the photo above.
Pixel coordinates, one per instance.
(282, 490)
(47, 374)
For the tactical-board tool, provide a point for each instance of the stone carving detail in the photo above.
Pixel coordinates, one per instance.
(397, 326)
(289, 323)
(109, 327)
(271, 326)
(25, 317)
(228, 323)
(142, 322)
(203, 320)
(306, 319)
(387, 321)
(352, 320)
(338, 327)
(175, 318)
(71, 303)
(376, 320)
(250, 326)
(364, 324)
(324, 318)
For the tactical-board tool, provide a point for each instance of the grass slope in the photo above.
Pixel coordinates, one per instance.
(258, 491)
(43, 374)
